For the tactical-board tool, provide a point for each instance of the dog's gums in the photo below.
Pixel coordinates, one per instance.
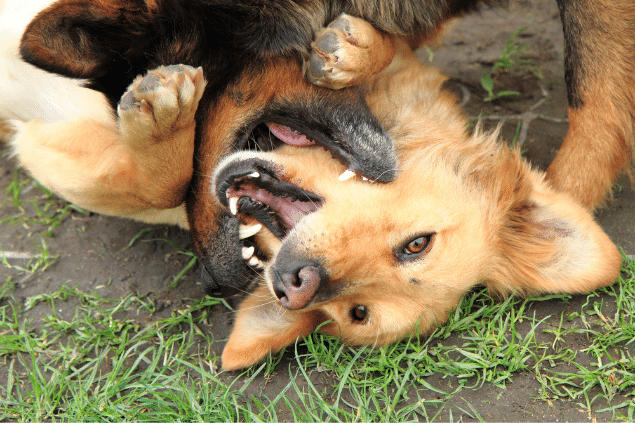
(255, 191)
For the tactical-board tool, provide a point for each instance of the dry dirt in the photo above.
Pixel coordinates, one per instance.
(92, 250)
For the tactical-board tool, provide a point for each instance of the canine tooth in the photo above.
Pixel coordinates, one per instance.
(254, 175)
(364, 178)
(247, 252)
(233, 205)
(245, 231)
(346, 175)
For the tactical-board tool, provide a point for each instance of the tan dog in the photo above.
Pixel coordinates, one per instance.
(379, 262)
(71, 61)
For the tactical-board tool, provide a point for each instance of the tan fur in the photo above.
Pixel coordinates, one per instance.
(495, 222)
(343, 68)
(600, 143)
(143, 159)
(5, 131)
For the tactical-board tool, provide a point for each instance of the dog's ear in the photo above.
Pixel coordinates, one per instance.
(263, 327)
(88, 39)
(549, 243)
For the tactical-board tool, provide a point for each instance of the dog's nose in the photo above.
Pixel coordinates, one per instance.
(295, 285)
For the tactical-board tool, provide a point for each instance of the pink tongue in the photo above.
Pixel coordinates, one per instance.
(288, 135)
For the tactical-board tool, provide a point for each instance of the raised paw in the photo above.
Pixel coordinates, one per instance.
(161, 102)
(348, 51)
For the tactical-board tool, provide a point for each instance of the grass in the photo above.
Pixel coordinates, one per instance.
(100, 363)
(40, 209)
(70, 353)
(514, 57)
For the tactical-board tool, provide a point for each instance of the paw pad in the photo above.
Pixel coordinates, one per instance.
(328, 43)
(164, 99)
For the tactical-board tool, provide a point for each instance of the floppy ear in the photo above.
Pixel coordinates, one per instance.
(91, 39)
(263, 327)
(549, 243)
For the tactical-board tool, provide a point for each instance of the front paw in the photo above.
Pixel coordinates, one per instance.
(161, 102)
(344, 53)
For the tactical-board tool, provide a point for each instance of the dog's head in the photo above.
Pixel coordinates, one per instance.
(376, 262)
(261, 112)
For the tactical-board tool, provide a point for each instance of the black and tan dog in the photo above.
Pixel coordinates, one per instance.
(252, 54)
(373, 263)
(139, 164)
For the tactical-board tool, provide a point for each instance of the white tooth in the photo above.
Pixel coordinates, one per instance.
(364, 178)
(233, 205)
(348, 174)
(254, 261)
(247, 252)
(247, 231)
(254, 175)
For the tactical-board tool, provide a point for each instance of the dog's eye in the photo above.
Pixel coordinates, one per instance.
(414, 248)
(359, 314)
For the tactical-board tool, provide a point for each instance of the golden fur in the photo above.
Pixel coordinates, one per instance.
(490, 218)
(600, 143)
(90, 161)
(494, 221)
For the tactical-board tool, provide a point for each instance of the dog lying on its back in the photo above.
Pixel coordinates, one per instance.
(144, 165)
(378, 262)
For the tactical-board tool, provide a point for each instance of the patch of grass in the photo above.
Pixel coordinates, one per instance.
(514, 57)
(40, 209)
(191, 255)
(487, 82)
(75, 355)
(36, 262)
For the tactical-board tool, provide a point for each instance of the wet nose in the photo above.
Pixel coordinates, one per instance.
(295, 284)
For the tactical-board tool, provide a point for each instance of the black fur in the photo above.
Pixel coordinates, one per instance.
(110, 43)
(573, 67)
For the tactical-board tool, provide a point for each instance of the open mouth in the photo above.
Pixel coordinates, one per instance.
(255, 190)
(269, 136)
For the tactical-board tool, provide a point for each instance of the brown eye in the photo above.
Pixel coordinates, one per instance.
(359, 314)
(414, 248)
(417, 245)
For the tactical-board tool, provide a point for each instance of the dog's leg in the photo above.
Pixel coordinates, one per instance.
(126, 168)
(600, 77)
(347, 52)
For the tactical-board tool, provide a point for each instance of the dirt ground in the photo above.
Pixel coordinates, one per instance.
(92, 249)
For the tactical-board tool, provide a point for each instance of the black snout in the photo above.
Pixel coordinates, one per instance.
(212, 287)
(223, 270)
(295, 283)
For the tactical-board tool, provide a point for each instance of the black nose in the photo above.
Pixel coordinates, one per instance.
(296, 282)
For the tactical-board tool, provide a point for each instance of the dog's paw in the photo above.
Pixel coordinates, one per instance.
(343, 53)
(161, 102)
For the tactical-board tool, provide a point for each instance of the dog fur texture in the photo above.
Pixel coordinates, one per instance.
(254, 74)
(373, 263)
(252, 53)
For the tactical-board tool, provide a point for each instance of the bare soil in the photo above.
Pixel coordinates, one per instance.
(92, 248)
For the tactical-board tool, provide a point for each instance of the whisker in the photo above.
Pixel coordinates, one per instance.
(251, 308)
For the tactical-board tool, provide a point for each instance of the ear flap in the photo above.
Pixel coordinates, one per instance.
(91, 40)
(549, 243)
(263, 327)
